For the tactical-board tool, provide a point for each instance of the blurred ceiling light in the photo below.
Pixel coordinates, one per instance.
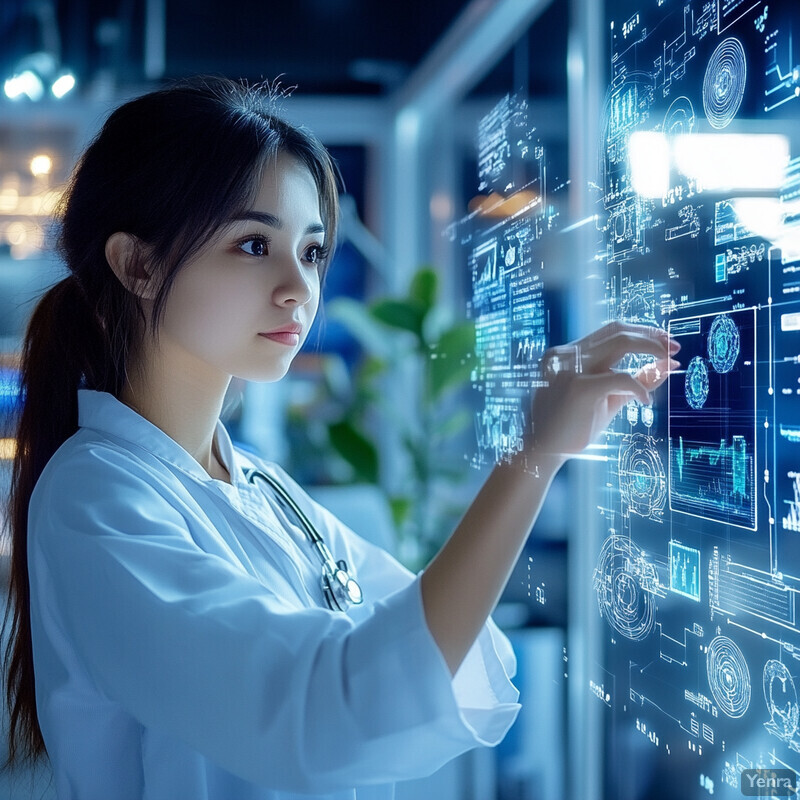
(63, 85)
(26, 83)
(733, 161)
(497, 206)
(41, 165)
(36, 71)
(717, 162)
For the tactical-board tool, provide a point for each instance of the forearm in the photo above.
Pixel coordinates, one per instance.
(463, 583)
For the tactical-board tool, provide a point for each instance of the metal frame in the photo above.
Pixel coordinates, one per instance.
(472, 45)
(478, 38)
(585, 88)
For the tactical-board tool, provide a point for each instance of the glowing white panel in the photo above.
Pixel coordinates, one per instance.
(732, 161)
(649, 161)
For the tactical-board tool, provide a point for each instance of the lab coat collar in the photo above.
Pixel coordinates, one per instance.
(101, 411)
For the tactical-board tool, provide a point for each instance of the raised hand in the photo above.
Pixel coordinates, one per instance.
(584, 392)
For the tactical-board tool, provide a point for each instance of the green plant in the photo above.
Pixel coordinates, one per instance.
(412, 349)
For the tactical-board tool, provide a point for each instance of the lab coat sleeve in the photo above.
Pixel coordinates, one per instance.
(296, 699)
(489, 664)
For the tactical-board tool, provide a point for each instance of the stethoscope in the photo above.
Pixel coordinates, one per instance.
(339, 588)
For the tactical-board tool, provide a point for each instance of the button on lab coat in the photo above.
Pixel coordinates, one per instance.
(183, 647)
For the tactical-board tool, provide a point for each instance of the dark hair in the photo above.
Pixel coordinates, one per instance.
(170, 168)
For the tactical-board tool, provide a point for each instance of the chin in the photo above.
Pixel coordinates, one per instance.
(265, 374)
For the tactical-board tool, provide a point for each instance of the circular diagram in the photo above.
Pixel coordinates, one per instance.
(642, 480)
(619, 582)
(728, 676)
(723, 85)
(696, 383)
(723, 344)
(780, 696)
(679, 117)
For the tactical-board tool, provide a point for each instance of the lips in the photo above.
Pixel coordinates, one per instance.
(291, 328)
(288, 334)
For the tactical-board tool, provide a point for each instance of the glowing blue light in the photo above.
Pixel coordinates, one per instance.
(63, 85)
(25, 83)
(10, 390)
(723, 344)
(696, 383)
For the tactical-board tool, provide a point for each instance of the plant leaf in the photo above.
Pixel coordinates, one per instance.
(452, 358)
(424, 288)
(400, 314)
(400, 506)
(356, 449)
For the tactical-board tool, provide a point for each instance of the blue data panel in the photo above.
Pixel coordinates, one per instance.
(502, 241)
(698, 571)
(684, 574)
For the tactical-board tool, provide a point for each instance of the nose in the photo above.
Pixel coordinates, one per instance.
(296, 283)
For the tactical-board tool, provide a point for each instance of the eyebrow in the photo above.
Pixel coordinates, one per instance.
(274, 222)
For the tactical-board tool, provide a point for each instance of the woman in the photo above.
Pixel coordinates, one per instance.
(171, 635)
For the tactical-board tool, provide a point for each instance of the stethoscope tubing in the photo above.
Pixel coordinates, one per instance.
(331, 569)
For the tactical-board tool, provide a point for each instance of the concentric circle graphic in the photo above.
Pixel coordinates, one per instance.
(619, 582)
(728, 676)
(780, 696)
(696, 383)
(679, 118)
(723, 344)
(723, 85)
(642, 480)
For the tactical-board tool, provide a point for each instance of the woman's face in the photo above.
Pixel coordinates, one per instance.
(244, 306)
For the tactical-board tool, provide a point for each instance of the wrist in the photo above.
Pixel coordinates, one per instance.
(540, 464)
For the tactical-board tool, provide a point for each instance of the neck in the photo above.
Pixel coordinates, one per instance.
(182, 400)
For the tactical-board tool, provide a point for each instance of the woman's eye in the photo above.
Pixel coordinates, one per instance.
(316, 253)
(257, 246)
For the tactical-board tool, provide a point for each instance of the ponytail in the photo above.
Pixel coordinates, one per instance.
(62, 343)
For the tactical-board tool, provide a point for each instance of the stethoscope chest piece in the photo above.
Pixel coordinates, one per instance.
(340, 589)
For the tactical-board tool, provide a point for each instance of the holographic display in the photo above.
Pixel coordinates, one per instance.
(698, 574)
(502, 238)
(712, 419)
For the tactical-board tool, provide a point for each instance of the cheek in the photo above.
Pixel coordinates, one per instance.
(208, 308)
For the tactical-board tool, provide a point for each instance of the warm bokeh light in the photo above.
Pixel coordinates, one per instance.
(8, 449)
(41, 164)
(495, 205)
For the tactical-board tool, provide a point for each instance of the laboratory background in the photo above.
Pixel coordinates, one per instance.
(516, 173)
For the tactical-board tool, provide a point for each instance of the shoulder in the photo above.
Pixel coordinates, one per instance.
(90, 467)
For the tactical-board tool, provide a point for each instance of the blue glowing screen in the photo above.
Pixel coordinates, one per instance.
(698, 571)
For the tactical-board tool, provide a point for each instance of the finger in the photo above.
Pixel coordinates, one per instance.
(618, 326)
(604, 354)
(672, 344)
(652, 375)
(616, 383)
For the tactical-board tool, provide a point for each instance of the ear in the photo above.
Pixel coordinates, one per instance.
(124, 253)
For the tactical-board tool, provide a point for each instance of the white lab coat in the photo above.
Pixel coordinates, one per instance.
(183, 648)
